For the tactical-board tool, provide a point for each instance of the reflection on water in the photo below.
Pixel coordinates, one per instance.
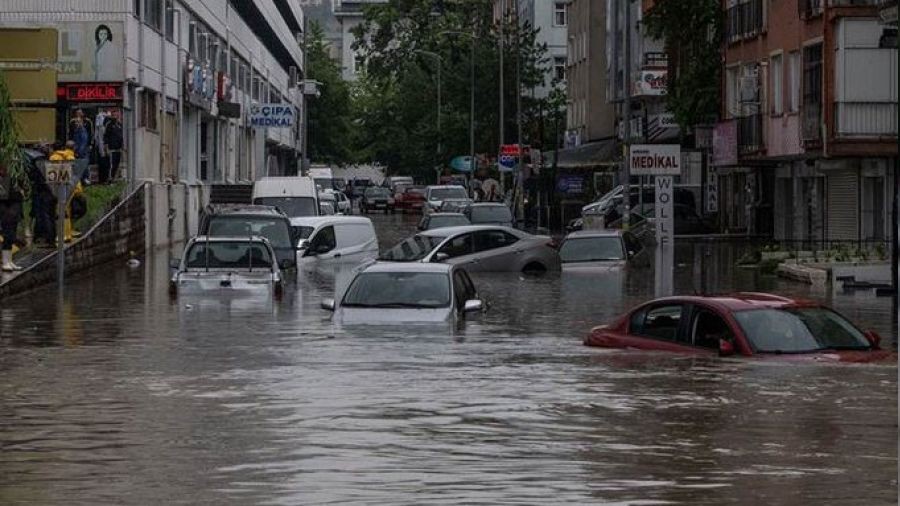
(121, 395)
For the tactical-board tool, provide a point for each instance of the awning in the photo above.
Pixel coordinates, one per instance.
(592, 154)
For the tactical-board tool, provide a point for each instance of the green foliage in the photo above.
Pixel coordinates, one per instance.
(330, 114)
(10, 151)
(395, 99)
(692, 31)
(100, 200)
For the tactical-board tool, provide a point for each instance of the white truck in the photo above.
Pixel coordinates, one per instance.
(323, 176)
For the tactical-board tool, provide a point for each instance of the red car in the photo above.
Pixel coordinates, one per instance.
(410, 198)
(749, 324)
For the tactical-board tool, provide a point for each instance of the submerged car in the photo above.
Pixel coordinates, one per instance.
(390, 293)
(598, 248)
(377, 198)
(479, 248)
(233, 265)
(409, 198)
(447, 198)
(441, 220)
(489, 213)
(748, 324)
(241, 220)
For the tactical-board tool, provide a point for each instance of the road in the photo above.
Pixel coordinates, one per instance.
(119, 395)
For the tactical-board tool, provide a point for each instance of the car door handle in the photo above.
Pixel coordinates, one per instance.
(337, 255)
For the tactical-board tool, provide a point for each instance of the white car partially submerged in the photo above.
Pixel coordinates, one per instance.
(386, 293)
(227, 265)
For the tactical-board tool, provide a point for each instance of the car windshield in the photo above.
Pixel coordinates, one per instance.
(491, 214)
(798, 330)
(399, 290)
(273, 229)
(303, 232)
(228, 255)
(447, 221)
(378, 192)
(447, 193)
(291, 206)
(591, 249)
(415, 248)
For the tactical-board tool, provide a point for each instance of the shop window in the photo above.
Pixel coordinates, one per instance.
(153, 14)
(149, 109)
(170, 21)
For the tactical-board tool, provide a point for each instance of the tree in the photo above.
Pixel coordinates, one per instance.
(10, 151)
(396, 97)
(329, 113)
(692, 33)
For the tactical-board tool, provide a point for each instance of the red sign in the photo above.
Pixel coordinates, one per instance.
(511, 149)
(94, 92)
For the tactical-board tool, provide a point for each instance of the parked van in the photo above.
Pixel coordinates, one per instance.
(345, 239)
(294, 196)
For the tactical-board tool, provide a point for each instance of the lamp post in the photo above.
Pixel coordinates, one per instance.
(472, 97)
(440, 147)
(310, 88)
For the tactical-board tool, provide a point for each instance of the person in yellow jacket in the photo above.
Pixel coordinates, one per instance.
(66, 154)
(63, 152)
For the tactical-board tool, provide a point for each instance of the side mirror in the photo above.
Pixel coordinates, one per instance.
(440, 257)
(302, 244)
(473, 305)
(874, 339)
(726, 348)
(328, 304)
(175, 263)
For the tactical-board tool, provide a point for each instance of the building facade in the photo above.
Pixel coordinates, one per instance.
(550, 19)
(183, 76)
(349, 14)
(807, 149)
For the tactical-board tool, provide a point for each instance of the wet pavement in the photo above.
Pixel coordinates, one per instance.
(118, 395)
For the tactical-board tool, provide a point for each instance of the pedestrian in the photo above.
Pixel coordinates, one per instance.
(11, 197)
(113, 142)
(80, 133)
(43, 203)
(100, 146)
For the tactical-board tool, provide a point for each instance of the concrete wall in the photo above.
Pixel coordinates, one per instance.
(121, 231)
(173, 212)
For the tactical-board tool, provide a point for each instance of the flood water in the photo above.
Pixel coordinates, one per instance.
(119, 395)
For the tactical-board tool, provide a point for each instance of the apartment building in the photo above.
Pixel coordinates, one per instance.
(807, 147)
(550, 19)
(183, 76)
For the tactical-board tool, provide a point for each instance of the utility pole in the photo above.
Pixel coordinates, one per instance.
(626, 122)
(472, 163)
(502, 112)
(520, 184)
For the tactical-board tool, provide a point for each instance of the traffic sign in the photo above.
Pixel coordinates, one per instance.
(58, 172)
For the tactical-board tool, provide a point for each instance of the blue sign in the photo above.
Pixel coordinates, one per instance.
(507, 163)
(272, 115)
(461, 164)
(570, 185)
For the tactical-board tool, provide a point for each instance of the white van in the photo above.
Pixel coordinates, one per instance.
(295, 196)
(335, 239)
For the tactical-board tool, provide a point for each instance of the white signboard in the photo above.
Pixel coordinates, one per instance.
(655, 160)
(58, 172)
(712, 190)
(665, 236)
(91, 51)
(272, 115)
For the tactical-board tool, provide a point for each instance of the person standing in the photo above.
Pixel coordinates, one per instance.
(113, 142)
(100, 143)
(43, 203)
(80, 134)
(11, 196)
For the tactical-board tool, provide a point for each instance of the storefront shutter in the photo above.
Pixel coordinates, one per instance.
(843, 206)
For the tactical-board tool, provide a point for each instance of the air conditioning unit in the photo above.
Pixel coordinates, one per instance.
(749, 89)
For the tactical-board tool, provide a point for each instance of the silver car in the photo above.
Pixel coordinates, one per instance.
(391, 293)
(479, 248)
(227, 265)
(598, 249)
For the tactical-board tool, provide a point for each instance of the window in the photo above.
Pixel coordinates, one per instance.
(559, 68)
(559, 14)
(359, 63)
(793, 81)
(153, 14)
(460, 289)
(458, 246)
(324, 241)
(192, 38)
(662, 322)
(493, 239)
(255, 86)
(170, 21)
(731, 91)
(744, 19)
(233, 70)
(149, 108)
(776, 72)
(136, 8)
(812, 91)
(709, 329)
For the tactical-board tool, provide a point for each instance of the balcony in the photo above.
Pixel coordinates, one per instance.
(750, 134)
(744, 20)
(866, 119)
(810, 8)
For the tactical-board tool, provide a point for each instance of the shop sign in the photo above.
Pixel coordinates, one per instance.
(94, 92)
(272, 115)
(229, 110)
(570, 185)
(725, 144)
(58, 172)
(655, 160)
(662, 127)
(512, 149)
(651, 83)
(712, 190)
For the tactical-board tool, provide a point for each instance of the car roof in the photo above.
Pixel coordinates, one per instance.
(315, 221)
(243, 209)
(438, 215)
(382, 266)
(595, 233)
(448, 231)
(442, 186)
(488, 204)
(741, 301)
(229, 238)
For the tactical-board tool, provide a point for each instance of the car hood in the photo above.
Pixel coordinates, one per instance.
(387, 316)
(599, 266)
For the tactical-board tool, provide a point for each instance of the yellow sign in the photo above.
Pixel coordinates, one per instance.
(38, 125)
(32, 86)
(28, 44)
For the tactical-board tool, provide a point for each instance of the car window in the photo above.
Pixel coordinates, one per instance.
(459, 289)
(662, 322)
(399, 290)
(708, 329)
(458, 246)
(470, 286)
(227, 255)
(276, 230)
(490, 214)
(324, 240)
(492, 239)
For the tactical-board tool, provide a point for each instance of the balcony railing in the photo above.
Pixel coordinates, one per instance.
(812, 122)
(865, 119)
(810, 8)
(750, 139)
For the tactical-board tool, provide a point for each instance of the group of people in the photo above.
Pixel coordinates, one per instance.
(100, 141)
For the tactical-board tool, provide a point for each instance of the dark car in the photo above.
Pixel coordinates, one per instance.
(488, 213)
(749, 324)
(237, 220)
(411, 198)
(359, 187)
(441, 220)
(377, 198)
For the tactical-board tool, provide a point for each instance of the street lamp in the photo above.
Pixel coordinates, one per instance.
(440, 138)
(472, 97)
(308, 88)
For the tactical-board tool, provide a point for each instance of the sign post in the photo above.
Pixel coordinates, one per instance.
(59, 175)
(662, 161)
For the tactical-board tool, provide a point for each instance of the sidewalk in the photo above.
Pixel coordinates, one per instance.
(25, 259)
